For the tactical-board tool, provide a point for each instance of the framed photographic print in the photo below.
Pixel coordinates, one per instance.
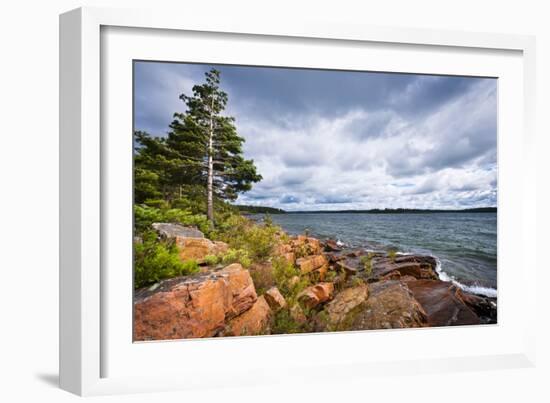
(237, 195)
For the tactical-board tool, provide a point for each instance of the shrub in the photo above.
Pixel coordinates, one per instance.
(284, 323)
(155, 260)
(145, 215)
(366, 262)
(288, 280)
(211, 260)
(236, 256)
(257, 240)
(392, 253)
(262, 276)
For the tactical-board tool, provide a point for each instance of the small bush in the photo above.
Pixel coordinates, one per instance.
(262, 277)
(392, 253)
(366, 262)
(284, 323)
(155, 260)
(145, 215)
(211, 260)
(236, 256)
(257, 240)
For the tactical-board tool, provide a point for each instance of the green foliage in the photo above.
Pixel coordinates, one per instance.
(284, 323)
(155, 260)
(237, 256)
(392, 254)
(211, 260)
(366, 262)
(257, 240)
(262, 277)
(288, 280)
(145, 215)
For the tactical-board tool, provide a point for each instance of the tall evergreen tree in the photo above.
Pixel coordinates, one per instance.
(208, 147)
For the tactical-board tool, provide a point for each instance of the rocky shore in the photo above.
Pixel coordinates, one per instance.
(341, 290)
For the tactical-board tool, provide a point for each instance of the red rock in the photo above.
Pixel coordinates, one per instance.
(332, 246)
(442, 305)
(193, 306)
(311, 263)
(306, 246)
(253, 322)
(274, 298)
(316, 294)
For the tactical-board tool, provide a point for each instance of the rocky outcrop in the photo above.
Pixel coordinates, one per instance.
(306, 246)
(419, 267)
(340, 313)
(172, 230)
(311, 263)
(254, 321)
(390, 305)
(442, 303)
(198, 248)
(275, 299)
(193, 306)
(316, 294)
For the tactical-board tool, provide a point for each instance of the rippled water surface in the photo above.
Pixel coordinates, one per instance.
(464, 243)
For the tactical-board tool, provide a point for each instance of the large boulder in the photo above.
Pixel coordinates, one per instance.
(316, 294)
(193, 306)
(442, 303)
(172, 230)
(390, 305)
(484, 307)
(254, 321)
(312, 263)
(340, 313)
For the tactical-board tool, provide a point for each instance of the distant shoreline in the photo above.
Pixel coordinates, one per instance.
(271, 210)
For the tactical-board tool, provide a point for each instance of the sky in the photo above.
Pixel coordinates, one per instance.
(340, 140)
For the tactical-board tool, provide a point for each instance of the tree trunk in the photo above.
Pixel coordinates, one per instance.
(210, 182)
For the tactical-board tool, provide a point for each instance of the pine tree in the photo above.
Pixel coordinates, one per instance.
(207, 145)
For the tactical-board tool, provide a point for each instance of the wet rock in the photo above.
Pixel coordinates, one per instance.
(330, 245)
(419, 267)
(275, 299)
(192, 306)
(316, 294)
(172, 230)
(442, 303)
(390, 305)
(484, 307)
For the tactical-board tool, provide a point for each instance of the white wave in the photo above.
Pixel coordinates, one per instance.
(473, 289)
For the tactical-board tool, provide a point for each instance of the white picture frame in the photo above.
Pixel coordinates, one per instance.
(85, 343)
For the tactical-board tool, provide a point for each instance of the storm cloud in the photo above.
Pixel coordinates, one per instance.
(346, 140)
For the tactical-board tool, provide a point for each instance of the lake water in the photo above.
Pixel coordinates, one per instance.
(465, 244)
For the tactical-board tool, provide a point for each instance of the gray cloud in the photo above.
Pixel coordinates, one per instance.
(333, 140)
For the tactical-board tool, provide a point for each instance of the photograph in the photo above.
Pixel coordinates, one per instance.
(275, 200)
